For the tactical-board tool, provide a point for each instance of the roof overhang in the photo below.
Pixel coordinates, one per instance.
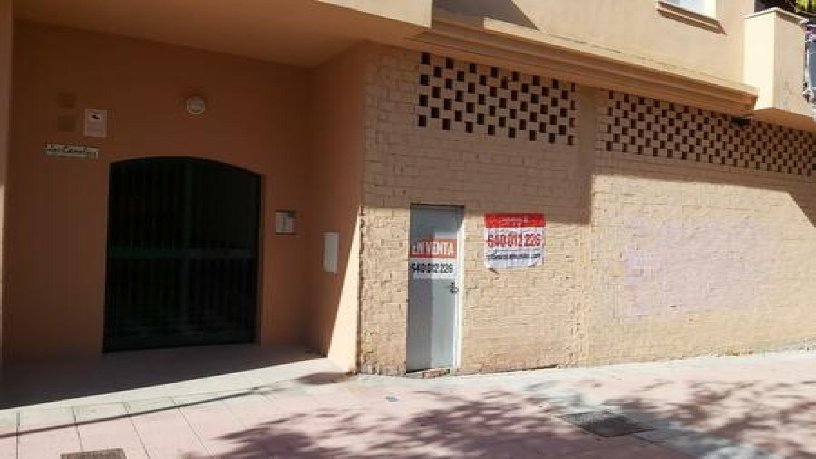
(297, 32)
(490, 41)
(307, 32)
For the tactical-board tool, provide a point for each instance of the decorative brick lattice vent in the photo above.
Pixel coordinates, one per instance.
(480, 99)
(650, 127)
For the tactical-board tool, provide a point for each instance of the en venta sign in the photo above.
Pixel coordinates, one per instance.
(514, 240)
(433, 259)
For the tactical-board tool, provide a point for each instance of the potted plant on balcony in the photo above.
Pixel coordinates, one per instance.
(806, 8)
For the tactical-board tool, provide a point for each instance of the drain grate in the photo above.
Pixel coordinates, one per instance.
(606, 423)
(117, 453)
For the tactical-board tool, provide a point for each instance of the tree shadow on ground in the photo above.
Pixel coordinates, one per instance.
(775, 417)
(730, 414)
(490, 423)
(736, 418)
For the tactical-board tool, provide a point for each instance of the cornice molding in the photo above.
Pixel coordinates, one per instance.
(688, 16)
(495, 42)
(787, 15)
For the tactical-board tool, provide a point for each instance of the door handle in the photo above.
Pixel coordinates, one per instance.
(453, 288)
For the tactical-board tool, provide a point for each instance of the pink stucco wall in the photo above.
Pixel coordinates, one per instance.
(57, 207)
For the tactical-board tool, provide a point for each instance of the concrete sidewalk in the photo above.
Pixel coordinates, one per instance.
(732, 407)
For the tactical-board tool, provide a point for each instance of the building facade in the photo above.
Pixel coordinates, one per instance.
(405, 185)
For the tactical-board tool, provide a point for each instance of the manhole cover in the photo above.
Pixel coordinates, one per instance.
(606, 423)
(117, 453)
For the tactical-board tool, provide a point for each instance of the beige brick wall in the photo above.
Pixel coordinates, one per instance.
(713, 253)
(511, 319)
(651, 251)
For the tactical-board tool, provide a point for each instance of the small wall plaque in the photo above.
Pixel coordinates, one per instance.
(71, 151)
(285, 222)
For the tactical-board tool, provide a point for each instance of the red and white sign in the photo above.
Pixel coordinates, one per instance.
(514, 240)
(433, 259)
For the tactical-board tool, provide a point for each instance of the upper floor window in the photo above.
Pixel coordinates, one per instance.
(704, 7)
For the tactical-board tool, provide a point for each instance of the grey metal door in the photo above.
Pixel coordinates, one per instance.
(433, 273)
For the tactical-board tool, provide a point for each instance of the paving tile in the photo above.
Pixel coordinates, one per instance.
(108, 426)
(163, 430)
(503, 450)
(563, 443)
(219, 430)
(643, 451)
(47, 433)
(8, 435)
(150, 405)
(263, 424)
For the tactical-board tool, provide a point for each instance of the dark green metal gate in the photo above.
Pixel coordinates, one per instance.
(182, 261)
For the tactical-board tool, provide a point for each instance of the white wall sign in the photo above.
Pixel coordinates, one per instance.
(433, 259)
(285, 222)
(514, 240)
(96, 123)
(71, 151)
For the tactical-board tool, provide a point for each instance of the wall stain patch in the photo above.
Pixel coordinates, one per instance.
(656, 128)
(479, 99)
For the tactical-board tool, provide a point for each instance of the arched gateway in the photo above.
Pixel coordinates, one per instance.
(182, 259)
